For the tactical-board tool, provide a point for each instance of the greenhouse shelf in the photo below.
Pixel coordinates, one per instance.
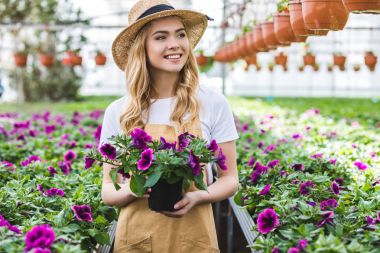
(245, 221)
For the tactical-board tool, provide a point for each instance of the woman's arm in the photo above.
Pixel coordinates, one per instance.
(110, 195)
(223, 188)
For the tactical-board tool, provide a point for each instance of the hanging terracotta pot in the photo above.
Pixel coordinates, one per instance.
(339, 60)
(76, 60)
(283, 28)
(20, 59)
(47, 60)
(363, 6)
(250, 39)
(370, 60)
(309, 59)
(259, 39)
(269, 35)
(243, 47)
(318, 32)
(324, 14)
(201, 59)
(281, 59)
(251, 59)
(100, 59)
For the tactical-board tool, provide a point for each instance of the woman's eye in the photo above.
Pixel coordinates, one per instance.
(182, 35)
(160, 38)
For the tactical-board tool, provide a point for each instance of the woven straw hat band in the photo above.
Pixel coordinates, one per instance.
(144, 8)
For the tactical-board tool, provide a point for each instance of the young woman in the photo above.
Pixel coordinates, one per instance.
(164, 98)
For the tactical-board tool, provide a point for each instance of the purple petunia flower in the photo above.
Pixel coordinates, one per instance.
(108, 151)
(270, 148)
(125, 175)
(41, 250)
(166, 145)
(88, 162)
(328, 217)
(5, 223)
(213, 146)
(335, 188)
(333, 161)
(183, 140)
(54, 192)
(273, 163)
(146, 159)
(194, 164)
(293, 250)
(297, 136)
(40, 188)
(10, 165)
(245, 127)
(97, 133)
(260, 144)
(221, 160)
(302, 244)
(360, 165)
(305, 187)
(251, 161)
(65, 167)
(88, 146)
(370, 221)
(275, 249)
(255, 176)
(267, 221)
(262, 169)
(82, 213)
(140, 138)
(311, 203)
(52, 171)
(328, 204)
(49, 129)
(265, 190)
(339, 180)
(298, 166)
(41, 236)
(317, 155)
(69, 156)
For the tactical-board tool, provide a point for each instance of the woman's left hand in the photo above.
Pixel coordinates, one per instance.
(188, 201)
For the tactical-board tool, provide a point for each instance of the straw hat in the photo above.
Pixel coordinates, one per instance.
(145, 11)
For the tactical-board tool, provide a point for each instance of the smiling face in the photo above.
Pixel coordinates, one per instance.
(167, 45)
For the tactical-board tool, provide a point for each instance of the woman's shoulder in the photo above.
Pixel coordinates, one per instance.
(116, 106)
(210, 96)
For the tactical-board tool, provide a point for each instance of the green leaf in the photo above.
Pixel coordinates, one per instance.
(137, 184)
(102, 238)
(238, 198)
(153, 178)
(199, 182)
(114, 177)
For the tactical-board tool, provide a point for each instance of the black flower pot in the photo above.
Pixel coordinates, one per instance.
(164, 195)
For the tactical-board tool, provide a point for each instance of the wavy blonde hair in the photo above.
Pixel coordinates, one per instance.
(141, 90)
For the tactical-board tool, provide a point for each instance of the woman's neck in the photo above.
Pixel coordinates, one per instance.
(165, 84)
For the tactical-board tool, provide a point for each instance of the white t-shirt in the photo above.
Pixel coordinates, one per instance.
(216, 117)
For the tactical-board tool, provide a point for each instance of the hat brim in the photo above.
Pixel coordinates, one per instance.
(195, 22)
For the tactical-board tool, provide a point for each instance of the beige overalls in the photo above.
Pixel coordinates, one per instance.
(140, 230)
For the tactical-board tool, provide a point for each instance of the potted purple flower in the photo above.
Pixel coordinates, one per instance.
(167, 168)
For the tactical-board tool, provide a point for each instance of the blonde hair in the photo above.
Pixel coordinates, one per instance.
(141, 90)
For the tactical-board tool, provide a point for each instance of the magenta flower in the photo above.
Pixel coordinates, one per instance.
(40, 188)
(262, 169)
(10, 165)
(339, 180)
(166, 145)
(255, 176)
(335, 188)
(297, 136)
(52, 171)
(311, 203)
(122, 172)
(49, 129)
(265, 190)
(146, 159)
(275, 249)
(270, 148)
(273, 163)
(333, 161)
(5, 223)
(328, 217)
(370, 221)
(251, 161)
(97, 133)
(302, 244)
(360, 165)
(65, 167)
(317, 155)
(69, 156)
(183, 140)
(328, 204)
(245, 127)
(54, 192)
(305, 187)
(221, 160)
(41, 236)
(293, 250)
(41, 250)
(298, 167)
(140, 138)
(96, 114)
(213, 146)
(267, 221)
(82, 213)
(88, 162)
(194, 164)
(108, 151)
